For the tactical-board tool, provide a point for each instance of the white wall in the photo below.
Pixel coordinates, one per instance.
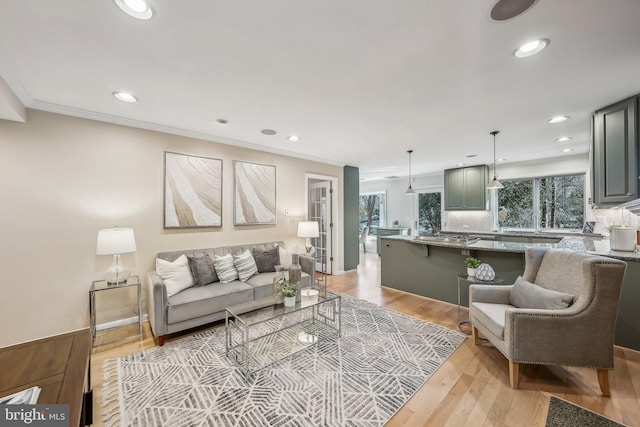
(62, 179)
(402, 207)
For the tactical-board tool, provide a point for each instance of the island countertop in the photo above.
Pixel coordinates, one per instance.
(588, 244)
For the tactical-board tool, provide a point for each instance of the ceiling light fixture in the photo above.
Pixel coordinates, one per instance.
(567, 150)
(268, 132)
(294, 138)
(138, 9)
(531, 48)
(410, 191)
(125, 97)
(501, 159)
(563, 139)
(494, 184)
(461, 164)
(558, 119)
(222, 122)
(504, 10)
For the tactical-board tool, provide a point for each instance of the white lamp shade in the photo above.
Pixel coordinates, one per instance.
(308, 229)
(113, 241)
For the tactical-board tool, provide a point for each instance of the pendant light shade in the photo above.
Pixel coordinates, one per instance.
(410, 191)
(494, 184)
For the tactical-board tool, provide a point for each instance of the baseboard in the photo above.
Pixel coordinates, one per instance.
(121, 322)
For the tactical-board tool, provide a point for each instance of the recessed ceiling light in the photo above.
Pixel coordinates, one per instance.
(472, 155)
(125, 97)
(563, 139)
(531, 48)
(558, 119)
(507, 9)
(268, 132)
(501, 160)
(139, 9)
(567, 150)
(294, 138)
(461, 164)
(222, 122)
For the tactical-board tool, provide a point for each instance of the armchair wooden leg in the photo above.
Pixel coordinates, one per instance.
(474, 334)
(514, 374)
(603, 380)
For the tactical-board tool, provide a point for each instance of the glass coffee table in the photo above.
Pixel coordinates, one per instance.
(260, 333)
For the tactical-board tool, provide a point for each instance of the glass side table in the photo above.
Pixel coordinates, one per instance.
(471, 280)
(103, 286)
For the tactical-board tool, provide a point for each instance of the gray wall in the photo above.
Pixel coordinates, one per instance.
(351, 218)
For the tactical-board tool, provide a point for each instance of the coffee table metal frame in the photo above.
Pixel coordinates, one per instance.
(248, 324)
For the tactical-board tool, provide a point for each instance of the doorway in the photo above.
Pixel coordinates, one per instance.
(320, 208)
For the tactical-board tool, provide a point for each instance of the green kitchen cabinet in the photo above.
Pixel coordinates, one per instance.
(615, 153)
(466, 188)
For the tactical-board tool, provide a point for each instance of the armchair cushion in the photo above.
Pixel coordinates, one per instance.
(525, 294)
(492, 316)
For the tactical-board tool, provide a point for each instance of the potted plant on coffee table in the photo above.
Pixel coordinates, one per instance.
(289, 291)
(472, 266)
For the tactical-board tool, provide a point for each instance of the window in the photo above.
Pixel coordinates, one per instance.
(429, 213)
(548, 203)
(372, 211)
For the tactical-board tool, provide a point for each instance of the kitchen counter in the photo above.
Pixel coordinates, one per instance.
(430, 268)
(577, 243)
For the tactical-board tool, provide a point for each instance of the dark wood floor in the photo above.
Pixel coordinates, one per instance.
(472, 387)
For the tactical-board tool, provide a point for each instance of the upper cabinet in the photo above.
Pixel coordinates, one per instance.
(466, 188)
(615, 153)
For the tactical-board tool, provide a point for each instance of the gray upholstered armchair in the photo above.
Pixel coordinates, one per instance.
(575, 296)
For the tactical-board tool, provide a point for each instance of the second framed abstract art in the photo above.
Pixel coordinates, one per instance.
(254, 193)
(192, 191)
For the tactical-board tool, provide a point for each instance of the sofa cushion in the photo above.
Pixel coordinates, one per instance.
(175, 275)
(525, 294)
(266, 261)
(205, 300)
(202, 270)
(225, 268)
(245, 265)
(492, 316)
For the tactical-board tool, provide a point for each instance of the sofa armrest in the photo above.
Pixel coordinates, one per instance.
(494, 294)
(308, 265)
(157, 304)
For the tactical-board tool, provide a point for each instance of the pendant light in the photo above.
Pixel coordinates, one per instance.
(494, 184)
(410, 191)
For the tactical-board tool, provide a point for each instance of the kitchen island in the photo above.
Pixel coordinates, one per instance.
(430, 268)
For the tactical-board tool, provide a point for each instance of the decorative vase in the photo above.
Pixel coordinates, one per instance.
(485, 273)
(471, 272)
(290, 301)
(278, 281)
(295, 270)
(308, 297)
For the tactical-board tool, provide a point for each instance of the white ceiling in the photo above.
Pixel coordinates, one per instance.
(361, 81)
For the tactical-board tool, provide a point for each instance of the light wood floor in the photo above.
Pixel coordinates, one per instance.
(472, 387)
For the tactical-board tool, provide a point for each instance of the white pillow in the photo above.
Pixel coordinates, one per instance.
(285, 257)
(246, 265)
(176, 275)
(224, 267)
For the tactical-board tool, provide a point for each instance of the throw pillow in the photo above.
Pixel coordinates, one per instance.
(175, 275)
(525, 294)
(285, 257)
(266, 261)
(225, 269)
(202, 270)
(246, 265)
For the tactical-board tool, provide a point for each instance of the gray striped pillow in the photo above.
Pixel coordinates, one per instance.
(225, 268)
(246, 265)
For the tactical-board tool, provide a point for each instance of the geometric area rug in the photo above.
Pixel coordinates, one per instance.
(360, 379)
(565, 414)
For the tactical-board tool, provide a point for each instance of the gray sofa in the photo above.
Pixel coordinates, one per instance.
(197, 306)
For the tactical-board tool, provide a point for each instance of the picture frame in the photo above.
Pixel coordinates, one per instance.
(254, 200)
(192, 191)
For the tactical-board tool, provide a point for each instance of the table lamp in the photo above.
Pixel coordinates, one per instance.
(308, 229)
(116, 241)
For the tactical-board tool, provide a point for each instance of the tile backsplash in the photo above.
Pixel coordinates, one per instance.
(468, 221)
